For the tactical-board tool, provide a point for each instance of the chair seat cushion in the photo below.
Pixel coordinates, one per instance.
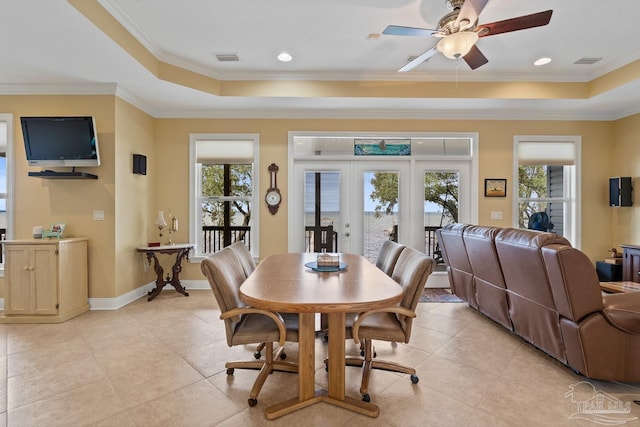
(622, 310)
(382, 326)
(256, 328)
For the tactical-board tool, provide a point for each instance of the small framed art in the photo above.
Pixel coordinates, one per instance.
(495, 187)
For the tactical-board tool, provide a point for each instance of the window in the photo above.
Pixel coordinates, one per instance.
(547, 171)
(223, 188)
(6, 188)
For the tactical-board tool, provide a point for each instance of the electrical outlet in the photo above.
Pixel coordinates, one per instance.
(496, 215)
(98, 215)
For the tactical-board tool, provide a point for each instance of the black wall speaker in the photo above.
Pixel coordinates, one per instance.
(620, 190)
(140, 164)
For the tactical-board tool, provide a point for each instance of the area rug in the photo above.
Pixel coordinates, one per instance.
(438, 295)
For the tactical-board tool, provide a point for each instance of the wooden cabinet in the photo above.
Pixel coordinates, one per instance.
(631, 263)
(46, 281)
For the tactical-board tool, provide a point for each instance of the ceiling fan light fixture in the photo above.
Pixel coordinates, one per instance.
(457, 45)
(542, 61)
(285, 57)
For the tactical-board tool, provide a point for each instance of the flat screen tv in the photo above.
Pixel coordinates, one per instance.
(60, 141)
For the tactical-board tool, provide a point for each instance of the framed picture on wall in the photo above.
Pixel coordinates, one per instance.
(495, 187)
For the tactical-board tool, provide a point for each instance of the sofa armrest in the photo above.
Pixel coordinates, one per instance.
(623, 311)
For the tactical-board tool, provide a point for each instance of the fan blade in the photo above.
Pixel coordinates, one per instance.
(475, 58)
(515, 24)
(396, 30)
(418, 60)
(470, 11)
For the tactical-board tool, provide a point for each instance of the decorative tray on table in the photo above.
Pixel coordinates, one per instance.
(315, 267)
(327, 262)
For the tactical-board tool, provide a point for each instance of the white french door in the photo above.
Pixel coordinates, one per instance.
(371, 226)
(369, 188)
(320, 196)
(346, 204)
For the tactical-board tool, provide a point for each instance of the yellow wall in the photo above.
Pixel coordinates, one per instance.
(45, 201)
(135, 205)
(495, 161)
(131, 201)
(625, 222)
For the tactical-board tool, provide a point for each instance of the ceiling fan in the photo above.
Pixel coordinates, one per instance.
(459, 31)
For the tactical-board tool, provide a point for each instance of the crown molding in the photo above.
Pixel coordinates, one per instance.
(58, 88)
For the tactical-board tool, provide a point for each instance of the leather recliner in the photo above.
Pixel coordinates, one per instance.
(553, 297)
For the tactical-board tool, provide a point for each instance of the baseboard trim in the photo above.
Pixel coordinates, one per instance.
(135, 294)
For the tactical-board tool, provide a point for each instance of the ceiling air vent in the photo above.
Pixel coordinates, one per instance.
(587, 61)
(227, 57)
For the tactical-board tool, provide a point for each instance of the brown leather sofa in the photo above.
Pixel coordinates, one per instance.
(544, 290)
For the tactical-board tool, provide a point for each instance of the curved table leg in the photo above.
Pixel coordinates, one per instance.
(151, 256)
(176, 269)
(174, 280)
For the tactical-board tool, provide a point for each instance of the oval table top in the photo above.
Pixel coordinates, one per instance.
(282, 283)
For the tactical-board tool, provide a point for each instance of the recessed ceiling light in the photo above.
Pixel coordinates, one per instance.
(284, 57)
(542, 61)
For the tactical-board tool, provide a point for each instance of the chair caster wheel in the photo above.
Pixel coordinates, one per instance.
(253, 402)
(230, 371)
(361, 353)
(325, 338)
(375, 354)
(414, 379)
(283, 356)
(257, 355)
(366, 398)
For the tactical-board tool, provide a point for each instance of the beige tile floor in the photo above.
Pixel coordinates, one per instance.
(161, 363)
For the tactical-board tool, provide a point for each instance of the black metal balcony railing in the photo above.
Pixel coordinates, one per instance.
(216, 237)
(431, 247)
(317, 239)
(320, 239)
(3, 235)
(431, 242)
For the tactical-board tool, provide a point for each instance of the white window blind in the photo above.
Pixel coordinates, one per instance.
(546, 153)
(224, 151)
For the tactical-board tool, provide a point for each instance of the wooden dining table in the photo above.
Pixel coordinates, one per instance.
(282, 283)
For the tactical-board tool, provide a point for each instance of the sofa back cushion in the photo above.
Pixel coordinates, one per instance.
(574, 281)
(531, 304)
(490, 288)
(458, 266)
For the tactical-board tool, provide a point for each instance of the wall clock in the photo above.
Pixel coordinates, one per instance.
(273, 196)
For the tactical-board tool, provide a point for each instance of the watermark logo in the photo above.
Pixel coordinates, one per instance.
(597, 406)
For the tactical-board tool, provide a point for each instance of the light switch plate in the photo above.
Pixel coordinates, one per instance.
(496, 215)
(98, 215)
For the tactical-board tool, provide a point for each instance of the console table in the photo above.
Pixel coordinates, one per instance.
(630, 263)
(620, 287)
(181, 251)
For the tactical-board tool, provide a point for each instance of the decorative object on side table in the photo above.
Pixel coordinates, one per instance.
(56, 231)
(37, 232)
(161, 223)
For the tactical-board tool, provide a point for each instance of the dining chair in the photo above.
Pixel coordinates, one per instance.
(244, 256)
(248, 265)
(392, 324)
(388, 256)
(247, 325)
